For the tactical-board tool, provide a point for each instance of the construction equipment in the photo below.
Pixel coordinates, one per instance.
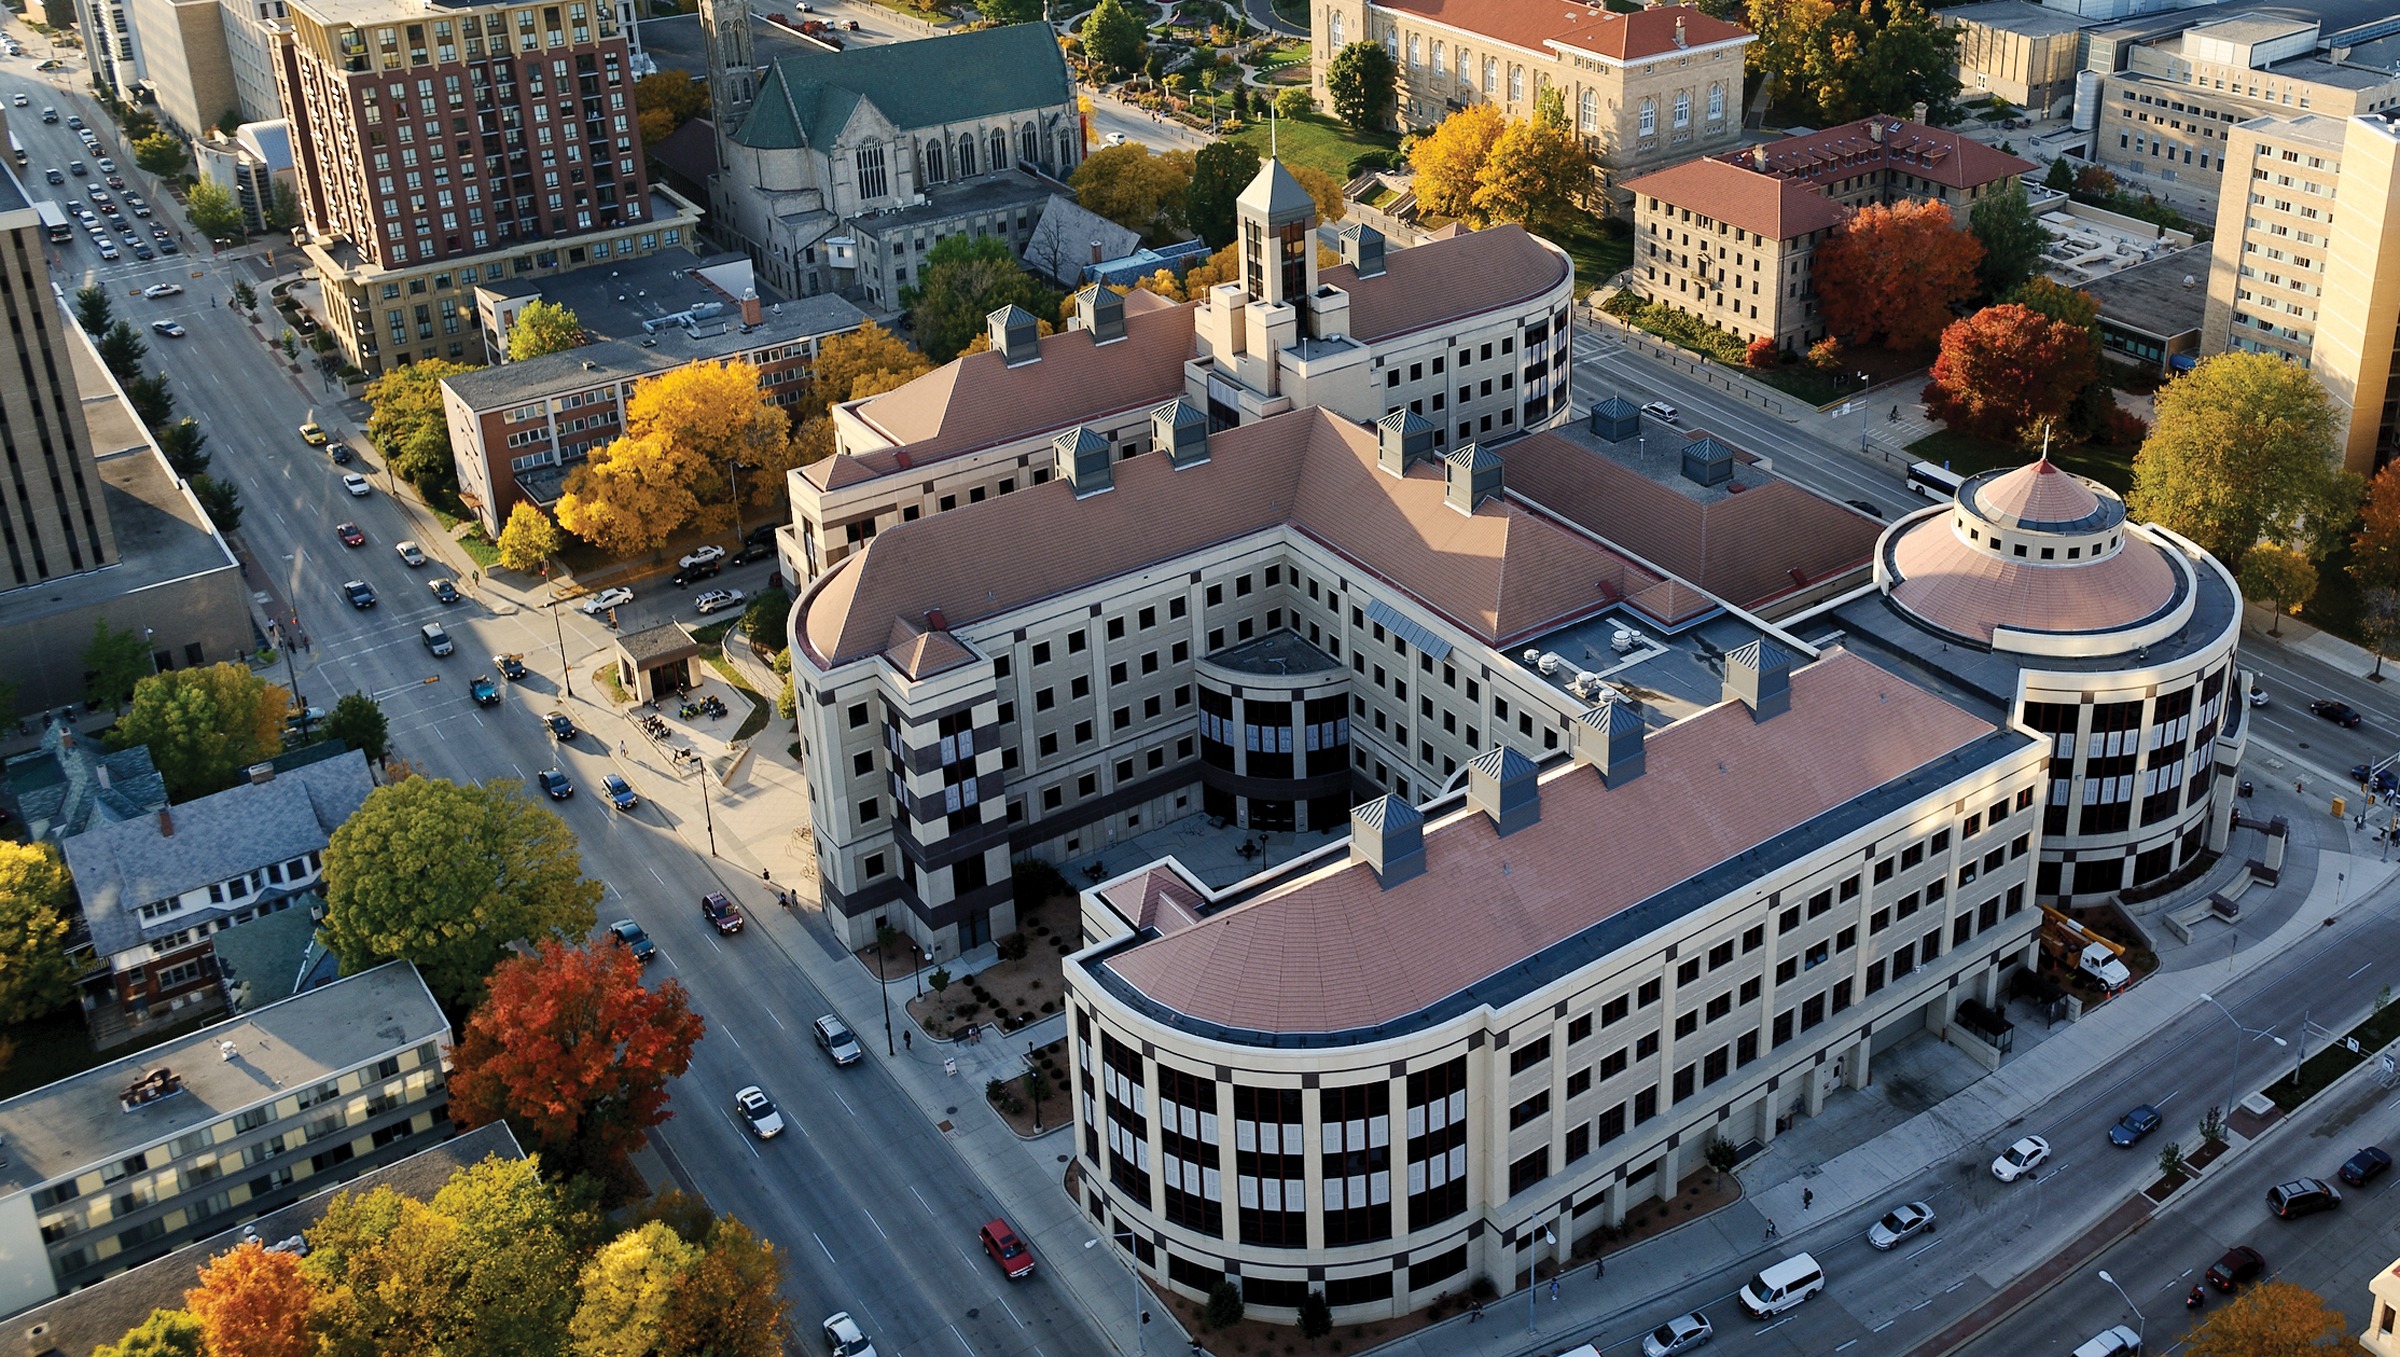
(2076, 947)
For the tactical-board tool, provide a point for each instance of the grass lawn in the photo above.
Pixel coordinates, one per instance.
(1319, 142)
(1598, 256)
(1967, 454)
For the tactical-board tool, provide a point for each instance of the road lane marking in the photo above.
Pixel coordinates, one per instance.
(737, 1041)
(1922, 1247)
(962, 1341)
(826, 1251)
(837, 1096)
(654, 874)
(2355, 974)
(712, 942)
(912, 1191)
(1012, 1312)
(872, 1221)
(747, 1138)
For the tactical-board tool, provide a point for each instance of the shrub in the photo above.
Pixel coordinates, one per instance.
(939, 979)
(1012, 947)
(1034, 881)
(1316, 1317)
(1224, 1304)
(1826, 354)
(2124, 429)
(1721, 1154)
(1762, 353)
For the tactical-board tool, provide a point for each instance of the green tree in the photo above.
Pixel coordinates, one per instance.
(541, 329)
(93, 309)
(1316, 1317)
(35, 974)
(407, 425)
(447, 876)
(2066, 305)
(1225, 1303)
(214, 211)
(1134, 188)
(153, 403)
(160, 154)
(966, 278)
(1359, 80)
(1220, 172)
(2279, 577)
(182, 442)
(2242, 451)
(204, 725)
(245, 296)
(2061, 177)
(358, 721)
(116, 661)
(1011, 11)
(219, 500)
(284, 213)
(1294, 101)
(1112, 36)
(763, 621)
(166, 1333)
(2013, 239)
(122, 350)
(528, 540)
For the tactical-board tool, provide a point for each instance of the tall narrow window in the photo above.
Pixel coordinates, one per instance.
(1357, 1143)
(1649, 125)
(1587, 119)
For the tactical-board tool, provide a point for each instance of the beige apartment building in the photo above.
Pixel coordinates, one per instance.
(2361, 314)
(1644, 89)
(1732, 239)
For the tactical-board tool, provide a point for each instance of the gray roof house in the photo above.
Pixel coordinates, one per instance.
(74, 781)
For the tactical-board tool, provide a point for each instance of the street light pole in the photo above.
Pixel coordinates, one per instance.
(2141, 1324)
(1141, 1317)
(566, 673)
(1533, 1260)
(2237, 1047)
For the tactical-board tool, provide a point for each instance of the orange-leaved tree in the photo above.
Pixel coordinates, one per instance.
(731, 1300)
(1891, 275)
(2271, 1319)
(574, 1054)
(253, 1302)
(2375, 550)
(2007, 368)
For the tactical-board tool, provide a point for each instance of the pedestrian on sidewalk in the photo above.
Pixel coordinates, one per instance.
(1808, 1199)
(908, 1039)
(1554, 1288)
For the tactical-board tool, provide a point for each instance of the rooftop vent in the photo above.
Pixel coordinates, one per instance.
(1402, 439)
(1760, 674)
(1083, 459)
(1101, 312)
(152, 1086)
(1501, 784)
(1016, 336)
(1388, 834)
(1609, 737)
(1180, 430)
(1362, 249)
(1707, 462)
(1473, 476)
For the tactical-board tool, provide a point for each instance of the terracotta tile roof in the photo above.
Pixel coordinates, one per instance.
(2036, 494)
(1778, 209)
(1334, 951)
(1155, 898)
(1746, 548)
(1440, 281)
(1969, 591)
(917, 652)
(1534, 26)
(1503, 572)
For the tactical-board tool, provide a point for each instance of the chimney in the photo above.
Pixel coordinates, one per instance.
(1180, 430)
(1609, 737)
(1388, 834)
(752, 313)
(1472, 475)
(1500, 783)
(1083, 461)
(166, 823)
(1016, 336)
(260, 773)
(1680, 39)
(1402, 438)
(1916, 112)
(1100, 311)
(1758, 159)
(1875, 130)
(1760, 674)
(1096, 252)
(1362, 249)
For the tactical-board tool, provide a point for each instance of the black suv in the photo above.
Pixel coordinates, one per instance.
(693, 574)
(2302, 1197)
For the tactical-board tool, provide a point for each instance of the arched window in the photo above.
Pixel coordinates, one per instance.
(966, 156)
(1440, 66)
(1415, 52)
(1649, 118)
(932, 151)
(1334, 31)
(1491, 76)
(1466, 70)
(999, 148)
(1683, 108)
(1516, 82)
(1716, 103)
(1066, 150)
(1029, 144)
(1588, 113)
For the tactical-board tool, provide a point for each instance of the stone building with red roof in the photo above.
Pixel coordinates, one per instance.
(1644, 89)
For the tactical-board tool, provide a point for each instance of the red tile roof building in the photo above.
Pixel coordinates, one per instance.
(1731, 239)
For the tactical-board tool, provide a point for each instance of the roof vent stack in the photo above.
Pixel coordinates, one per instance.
(1707, 462)
(1875, 131)
(1916, 112)
(1402, 439)
(1609, 737)
(1680, 39)
(1758, 158)
(1502, 784)
(1180, 430)
(1083, 461)
(1101, 312)
(1760, 674)
(1473, 475)
(1388, 834)
(1362, 249)
(1016, 336)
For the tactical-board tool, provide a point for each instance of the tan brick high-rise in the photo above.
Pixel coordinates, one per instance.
(52, 519)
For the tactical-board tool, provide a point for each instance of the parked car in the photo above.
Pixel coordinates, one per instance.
(700, 556)
(1900, 1224)
(717, 600)
(436, 640)
(2021, 1158)
(843, 1337)
(629, 934)
(339, 453)
(1662, 412)
(834, 1036)
(485, 692)
(604, 600)
(2240, 1264)
(2340, 713)
(2385, 779)
(2302, 1197)
(1006, 1249)
(1677, 1335)
(691, 575)
(2131, 1127)
(312, 435)
(361, 594)
(719, 909)
(619, 792)
(2366, 1165)
(2111, 1342)
(753, 551)
(759, 1111)
(411, 555)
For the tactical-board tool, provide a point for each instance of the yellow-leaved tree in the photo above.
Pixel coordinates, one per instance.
(684, 431)
(528, 540)
(868, 361)
(1448, 159)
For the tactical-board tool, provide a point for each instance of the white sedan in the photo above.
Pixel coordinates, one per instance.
(2020, 1159)
(356, 484)
(718, 600)
(1678, 1335)
(1900, 1223)
(758, 1110)
(157, 290)
(606, 599)
(843, 1337)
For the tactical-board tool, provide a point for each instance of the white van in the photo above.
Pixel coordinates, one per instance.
(1783, 1286)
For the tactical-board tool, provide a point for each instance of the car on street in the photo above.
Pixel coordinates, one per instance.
(485, 692)
(156, 290)
(604, 600)
(411, 555)
(2021, 1158)
(168, 328)
(436, 640)
(619, 792)
(107, 249)
(360, 593)
(759, 1111)
(1900, 1223)
(356, 484)
(721, 913)
(79, 169)
(164, 246)
(629, 934)
(2131, 1127)
(2340, 713)
(116, 181)
(2385, 779)
(145, 252)
(49, 115)
(312, 435)
(1662, 412)
(2240, 1264)
(339, 453)
(691, 575)
(561, 727)
(75, 120)
(444, 591)
(753, 551)
(843, 1337)
(18, 99)
(834, 1036)
(555, 784)
(2302, 1197)
(350, 534)
(512, 667)
(107, 166)
(2363, 1167)
(2111, 1342)
(55, 176)
(1680, 1334)
(700, 556)
(1006, 1249)
(717, 600)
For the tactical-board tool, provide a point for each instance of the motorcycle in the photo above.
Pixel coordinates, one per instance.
(2195, 1298)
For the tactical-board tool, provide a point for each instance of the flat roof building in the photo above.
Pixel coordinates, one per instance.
(2151, 313)
(2024, 53)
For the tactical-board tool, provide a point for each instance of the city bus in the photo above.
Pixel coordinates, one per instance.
(1934, 482)
(16, 148)
(54, 221)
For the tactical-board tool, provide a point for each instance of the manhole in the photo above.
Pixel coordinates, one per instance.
(949, 1111)
(1062, 1159)
(974, 1314)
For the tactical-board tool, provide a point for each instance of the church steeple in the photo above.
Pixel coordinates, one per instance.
(1275, 218)
(732, 72)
